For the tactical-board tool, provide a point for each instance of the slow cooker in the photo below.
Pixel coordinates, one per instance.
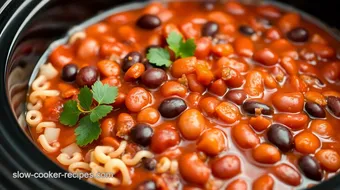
(27, 29)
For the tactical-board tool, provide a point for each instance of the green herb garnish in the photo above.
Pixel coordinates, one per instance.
(89, 129)
(161, 56)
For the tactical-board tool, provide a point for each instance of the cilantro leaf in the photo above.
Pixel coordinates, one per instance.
(187, 49)
(70, 114)
(159, 57)
(87, 131)
(174, 41)
(85, 98)
(104, 94)
(99, 112)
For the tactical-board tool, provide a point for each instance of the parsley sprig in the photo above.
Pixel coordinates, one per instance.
(89, 129)
(161, 56)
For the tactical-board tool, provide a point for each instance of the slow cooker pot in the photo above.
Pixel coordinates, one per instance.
(27, 29)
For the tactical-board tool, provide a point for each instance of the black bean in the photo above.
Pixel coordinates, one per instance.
(149, 21)
(333, 104)
(153, 78)
(250, 107)
(281, 137)
(246, 30)
(69, 72)
(236, 96)
(87, 76)
(310, 167)
(315, 110)
(131, 59)
(149, 163)
(147, 185)
(141, 134)
(298, 35)
(210, 29)
(172, 107)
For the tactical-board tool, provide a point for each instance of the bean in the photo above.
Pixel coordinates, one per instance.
(183, 66)
(244, 136)
(273, 34)
(329, 159)
(266, 57)
(281, 137)
(141, 134)
(171, 88)
(312, 81)
(234, 8)
(107, 127)
(193, 169)
(131, 59)
(164, 137)
(266, 154)
(108, 68)
(237, 184)
(287, 174)
(293, 121)
(236, 96)
(203, 47)
(208, 105)
(254, 83)
(228, 112)
(288, 102)
(333, 104)
(210, 29)
(69, 72)
(218, 87)
(306, 142)
(259, 123)
(61, 56)
(289, 21)
(208, 6)
(226, 167)
(204, 75)
(148, 115)
(246, 30)
(244, 46)
(212, 142)
(322, 50)
(298, 35)
(137, 99)
(269, 11)
(265, 182)
(147, 185)
(134, 72)
(153, 78)
(315, 110)
(194, 85)
(87, 76)
(191, 123)
(124, 124)
(149, 163)
(310, 167)
(149, 22)
(222, 50)
(88, 48)
(322, 128)
(251, 107)
(172, 107)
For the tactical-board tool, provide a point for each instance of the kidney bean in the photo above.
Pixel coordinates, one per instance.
(315, 110)
(329, 159)
(107, 127)
(287, 174)
(220, 17)
(212, 142)
(331, 93)
(331, 71)
(251, 108)
(321, 50)
(289, 21)
(112, 81)
(310, 167)
(203, 47)
(131, 59)
(164, 137)
(141, 134)
(265, 182)
(208, 105)
(244, 136)
(289, 65)
(171, 88)
(237, 184)
(273, 33)
(172, 107)
(266, 154)
(232, 77)
(154, 77)
(298, 34)
(236, 96)
(259, 123)
(191, 123)
(97, 29)
(226, 167)
(88, 48)
(269, 11)
(269, 81)
(87, 76)
(281, 137)
(316, 97)
(108, 49)
(306, 142)
(194, 84)
(228, 112)
(119, 100)
(254, 83)
(218, 87)
(234, 8)
(69, 72)
(108, 68)
(222, 49)
(317, 38)
(193, 99)
(266, 57)
(124, 124)
(149, 22)
(293, 121)
(322, 128)
(189, 30)
(333, 104)
(298, 84)
(203, 73)
(61, 56)
(137, 99)
(134, 72)
(224, 62)
(244, 46)
(193, 169)
(183, 66)
(288, 102)
(148, 115)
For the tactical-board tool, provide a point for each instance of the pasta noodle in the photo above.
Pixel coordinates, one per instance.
(97, 169)
(76, 36)
(35, 106)
(40, 83)
(93, 158)
(95, 182)
(76, 166)
(174, 166)
(65, 159)
(48, 71)
(137, 158)
(100, 153)
(163, 165)
(119, 150)
(34, 97)
(46, 146)
(114, 164)
(33, 117)
(41, 126)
